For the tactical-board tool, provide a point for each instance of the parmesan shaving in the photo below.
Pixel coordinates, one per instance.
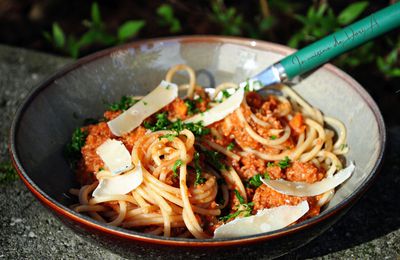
(265, 220)
(120, 184)
(115, 156)
(161, 96)
(302, 189)
(220, 111)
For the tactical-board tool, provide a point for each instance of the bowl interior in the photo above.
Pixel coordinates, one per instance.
(60, 105)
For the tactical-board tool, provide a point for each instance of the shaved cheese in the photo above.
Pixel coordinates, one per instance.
(120, 184)
(302, 189)
(161, 96)
(115, 156)
(265, 220)
(220, 111)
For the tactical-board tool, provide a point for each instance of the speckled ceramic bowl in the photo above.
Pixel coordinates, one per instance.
(46, 119)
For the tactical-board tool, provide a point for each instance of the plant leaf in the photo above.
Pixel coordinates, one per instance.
(166, 11)
(95, 12)
(266, 23)
(58, 36)
(351, 12)
(175, 26)
(129, 29)
(73, 47)
(395, 72)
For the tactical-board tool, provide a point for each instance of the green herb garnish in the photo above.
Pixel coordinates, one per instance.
(197, 168)
(244, 209)
(73, 148)
(283, 164)
(125, 103)
(169, 137)
(255, 181)
(225, 93)
(271, 164)
(239, 197)
(247, 87)
(230, 146)
(197, 128)
(163, 123)
(177, 164)
(230, 216)
(273, 137)
(191, 105)
(342, 147)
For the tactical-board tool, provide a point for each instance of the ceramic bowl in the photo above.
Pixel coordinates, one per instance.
(46, 119)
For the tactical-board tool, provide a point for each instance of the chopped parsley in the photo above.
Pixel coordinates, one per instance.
(255, 181)
(239, 197)
(342, 147)
(191, 105)
(283, 164)
(73, 148)
(163, 123)
(145, 103)
(247, 87)
(230, 216)
(197, 168)
(273, 137)
(125, 103)
(244, 209)
(230, 146)
(169, 137)
(225, 93)
(177, 164)
(270, 164)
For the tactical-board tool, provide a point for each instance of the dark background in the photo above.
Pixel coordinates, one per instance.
(24, 23)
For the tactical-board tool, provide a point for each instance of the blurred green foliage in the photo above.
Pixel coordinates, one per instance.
(320, 20)
(96, 34)
(286, 21)
(167, 18)
(230, 21)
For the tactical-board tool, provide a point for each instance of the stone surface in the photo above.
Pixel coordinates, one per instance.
(370, 230)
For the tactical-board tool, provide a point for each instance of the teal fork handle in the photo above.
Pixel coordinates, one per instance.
(339, 42)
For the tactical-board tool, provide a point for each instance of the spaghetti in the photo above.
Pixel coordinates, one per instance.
(196, 178)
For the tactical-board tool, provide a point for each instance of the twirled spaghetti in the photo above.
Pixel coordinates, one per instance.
(195, 178)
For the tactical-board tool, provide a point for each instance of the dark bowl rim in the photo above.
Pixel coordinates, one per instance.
(141, 237)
